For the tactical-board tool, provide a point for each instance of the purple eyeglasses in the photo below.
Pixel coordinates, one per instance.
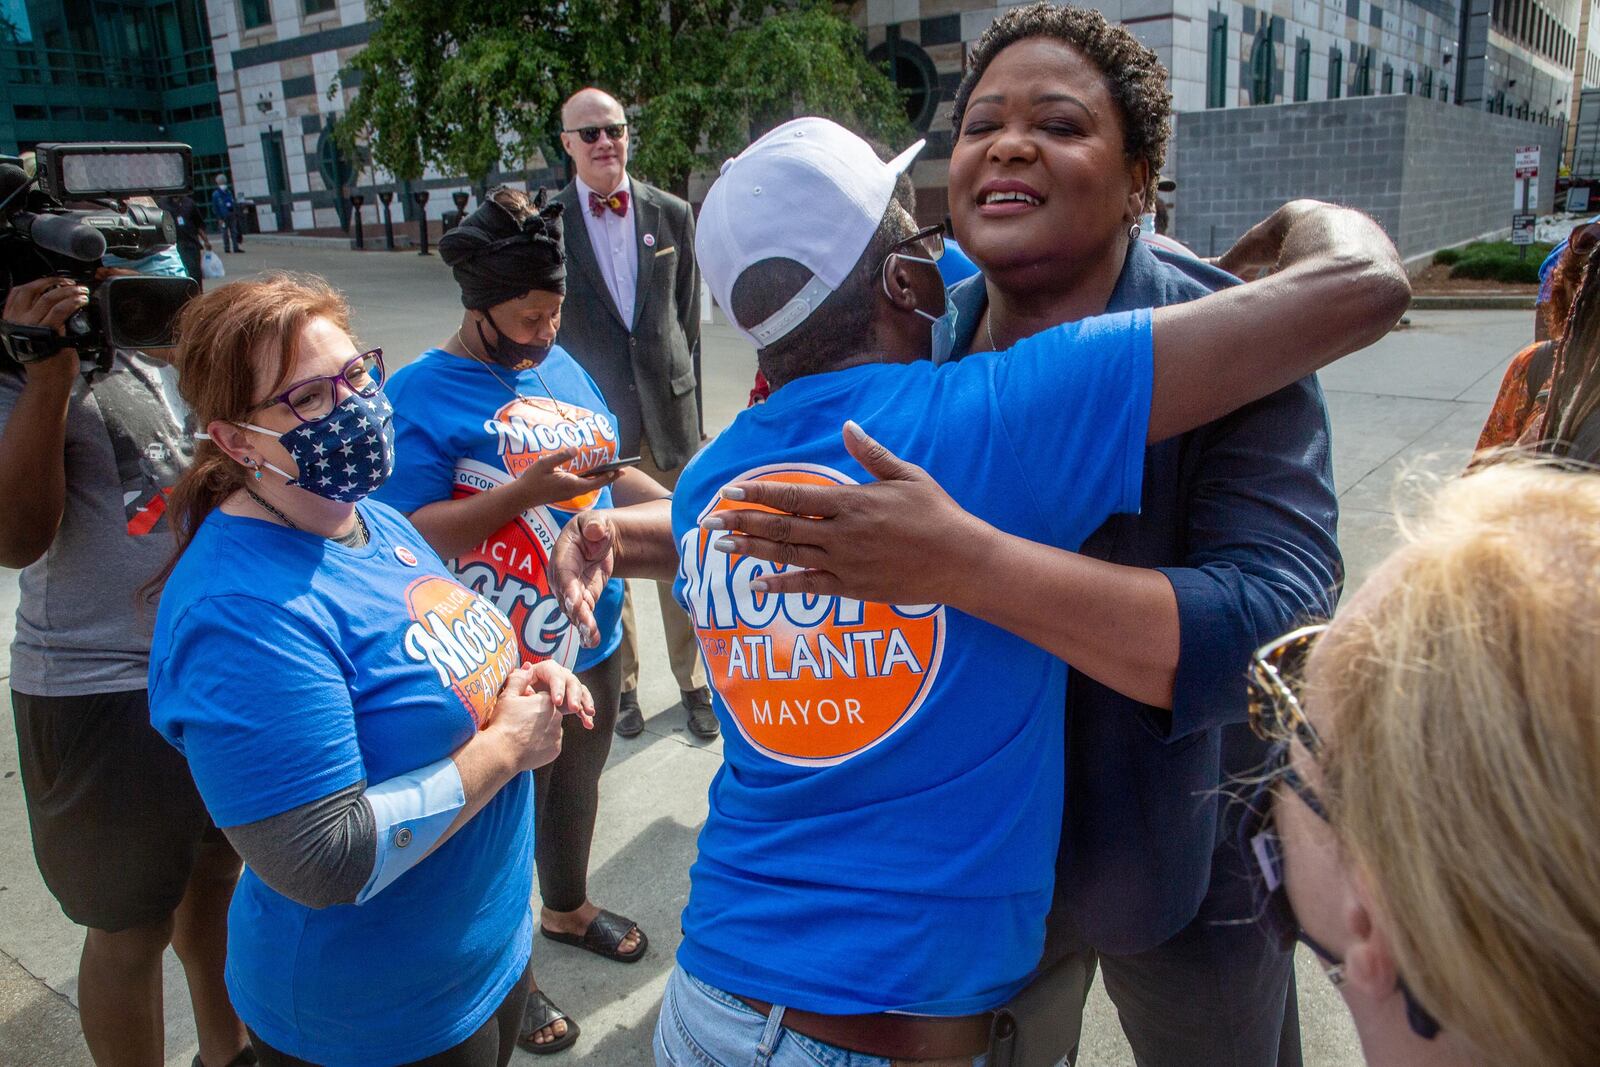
(314, 398)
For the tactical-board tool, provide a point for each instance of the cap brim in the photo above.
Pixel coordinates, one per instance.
(902, 163)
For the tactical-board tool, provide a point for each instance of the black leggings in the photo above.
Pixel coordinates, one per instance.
(567, 793)
(490, 1045)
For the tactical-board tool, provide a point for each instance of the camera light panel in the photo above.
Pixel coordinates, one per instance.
(118, 170)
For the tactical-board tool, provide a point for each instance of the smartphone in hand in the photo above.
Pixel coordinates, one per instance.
(607, 468)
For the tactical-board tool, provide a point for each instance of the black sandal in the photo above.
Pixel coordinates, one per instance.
(603, 936)
(539, 1012)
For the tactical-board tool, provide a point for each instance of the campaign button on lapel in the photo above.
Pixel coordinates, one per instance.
(405, 555)
(649, 240)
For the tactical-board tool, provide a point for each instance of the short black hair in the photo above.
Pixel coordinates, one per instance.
(1133, 73)
(839, 328)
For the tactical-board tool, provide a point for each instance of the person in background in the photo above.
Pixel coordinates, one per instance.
(1429, 823)
(633, 323)
(489, 479)
(1541, 316)
(356, 719)
(225, 209)
(119, 832)
(1520, 404)
(191, 232)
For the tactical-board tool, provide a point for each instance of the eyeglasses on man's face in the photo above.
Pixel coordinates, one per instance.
(591, 134)
(925, 246)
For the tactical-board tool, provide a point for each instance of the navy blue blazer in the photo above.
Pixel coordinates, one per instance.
(1241, 516)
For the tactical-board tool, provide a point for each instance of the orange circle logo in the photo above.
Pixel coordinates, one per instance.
(509, 569)
(530, 427)
(808, 680)
(464, 638)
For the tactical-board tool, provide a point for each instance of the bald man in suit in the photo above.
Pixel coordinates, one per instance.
(632, 320)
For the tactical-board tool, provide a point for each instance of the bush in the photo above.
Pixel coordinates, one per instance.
(1499, 261)
(1506, 269)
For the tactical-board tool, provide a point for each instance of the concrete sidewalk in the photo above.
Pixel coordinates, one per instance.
(1412, 403)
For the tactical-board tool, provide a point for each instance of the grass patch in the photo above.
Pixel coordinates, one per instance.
(1499, 261)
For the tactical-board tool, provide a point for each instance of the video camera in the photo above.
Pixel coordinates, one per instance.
(71, 214)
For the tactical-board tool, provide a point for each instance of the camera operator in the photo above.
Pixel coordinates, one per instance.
(120, 834)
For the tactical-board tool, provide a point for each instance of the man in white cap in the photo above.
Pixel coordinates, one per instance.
(878, 857)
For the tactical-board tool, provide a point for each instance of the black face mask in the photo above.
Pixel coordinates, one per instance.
(512, 355)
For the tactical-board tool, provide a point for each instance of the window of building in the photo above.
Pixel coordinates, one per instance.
(1302, 70)
(1410, 83)
(317, 7)
(1388, 80)
(1263, 63)
(1335, 73)
(1444, 94)
(257, 13)
(1363, 85)
(913, 73)
(1427, 82)
(1217, 62)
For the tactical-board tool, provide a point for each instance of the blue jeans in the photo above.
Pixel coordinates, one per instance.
(702, 1026)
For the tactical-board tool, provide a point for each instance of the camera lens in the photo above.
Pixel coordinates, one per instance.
(140, 312)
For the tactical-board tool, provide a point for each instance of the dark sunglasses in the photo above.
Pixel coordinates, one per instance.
(1276, 714)
(313, 398)
(591, 134)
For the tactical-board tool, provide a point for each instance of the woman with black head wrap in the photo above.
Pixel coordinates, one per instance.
(496, 431)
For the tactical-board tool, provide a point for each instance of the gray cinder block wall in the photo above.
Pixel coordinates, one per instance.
(1433, 174)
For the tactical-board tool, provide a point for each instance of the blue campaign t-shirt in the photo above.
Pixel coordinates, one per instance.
(286, 666)
(461, 428)
(882, 833)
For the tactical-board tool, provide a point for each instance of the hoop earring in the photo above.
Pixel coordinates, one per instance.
(1133, 232)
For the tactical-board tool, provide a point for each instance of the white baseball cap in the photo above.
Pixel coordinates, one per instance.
(810, 191)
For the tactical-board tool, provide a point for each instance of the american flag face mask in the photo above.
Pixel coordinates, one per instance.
(348, 453)
(345, 455)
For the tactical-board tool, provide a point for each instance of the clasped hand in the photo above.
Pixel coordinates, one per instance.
(529, 711)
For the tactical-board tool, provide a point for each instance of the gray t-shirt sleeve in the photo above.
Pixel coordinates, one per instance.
(318, 854)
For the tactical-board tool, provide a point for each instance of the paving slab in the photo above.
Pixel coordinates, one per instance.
(1415, 395)
(1439, 356)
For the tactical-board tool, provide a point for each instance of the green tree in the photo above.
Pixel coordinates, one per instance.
(470, 87)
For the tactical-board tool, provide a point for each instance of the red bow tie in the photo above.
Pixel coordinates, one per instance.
(617, 201)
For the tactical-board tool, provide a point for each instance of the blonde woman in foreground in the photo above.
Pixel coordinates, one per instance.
(1432, 826)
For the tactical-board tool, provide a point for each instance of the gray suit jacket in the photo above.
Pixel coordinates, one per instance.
(648, 370)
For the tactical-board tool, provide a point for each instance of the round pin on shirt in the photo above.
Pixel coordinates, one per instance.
(649, 240)
(405, 555)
